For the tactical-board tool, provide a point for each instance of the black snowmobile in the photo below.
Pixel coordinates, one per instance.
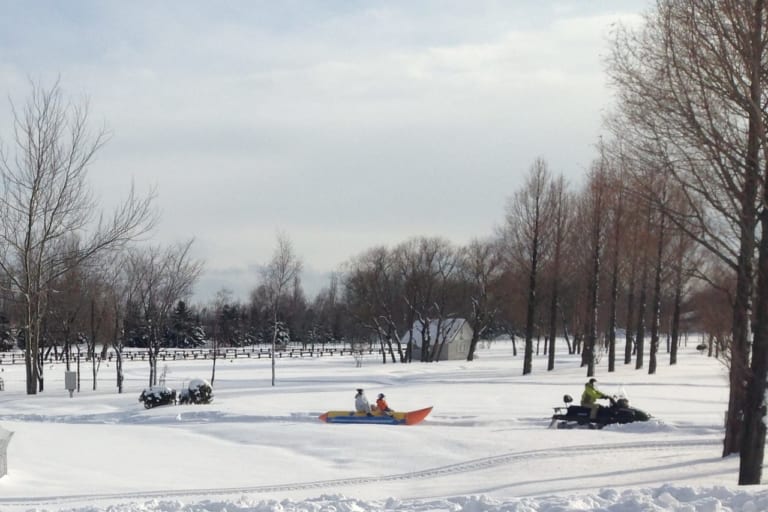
(571, 416)
(157, 395)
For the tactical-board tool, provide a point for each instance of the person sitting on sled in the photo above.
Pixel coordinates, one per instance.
(590, 396)
(361, 402)
(382, 405)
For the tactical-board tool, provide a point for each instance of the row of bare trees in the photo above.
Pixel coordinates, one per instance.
(67, 270)
(575, 265)
(422, 280)
(692, 88)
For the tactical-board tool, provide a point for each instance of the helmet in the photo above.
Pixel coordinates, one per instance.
(592, 381)
(359, 390)
(381, 395)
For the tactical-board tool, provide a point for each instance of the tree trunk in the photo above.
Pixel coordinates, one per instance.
(571, 349)
(640, 335)
(656, 312)
(613, 306)
(676, 313)
(119, 377)
(594, 286)
(753, 431)
(554, 298)
(473, 345)
(629, 340)
(531, 311)
(213, 363)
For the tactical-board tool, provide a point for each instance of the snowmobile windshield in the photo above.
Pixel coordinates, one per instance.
(621, 393)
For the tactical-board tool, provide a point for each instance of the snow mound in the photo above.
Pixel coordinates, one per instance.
(652, 425)
(667, 498)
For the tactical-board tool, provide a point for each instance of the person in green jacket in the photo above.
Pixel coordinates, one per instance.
(590, 396)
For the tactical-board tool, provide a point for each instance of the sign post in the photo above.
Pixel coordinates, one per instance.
(70, 382)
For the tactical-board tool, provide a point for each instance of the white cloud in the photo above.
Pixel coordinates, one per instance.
(347, 125)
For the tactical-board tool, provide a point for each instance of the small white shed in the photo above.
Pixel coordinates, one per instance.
(454, 334)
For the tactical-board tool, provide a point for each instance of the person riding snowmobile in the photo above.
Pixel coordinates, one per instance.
(590, 396)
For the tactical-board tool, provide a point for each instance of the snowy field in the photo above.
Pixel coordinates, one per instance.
(485, 447)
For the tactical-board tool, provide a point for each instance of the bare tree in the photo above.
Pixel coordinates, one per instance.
(79, 311)
(99, 312)
(118, 288)
(66, 303)
(561, 225)
(277, 276)
(657, 291)
(46, 199)
(374, 298)
(594, 206)
(445, 305)
(642, 299)
(481, 267)
(528, 222)
(159, 278)
(635, 241)
(712, 299)
(221, 329)
(428, 268)
(686, 257)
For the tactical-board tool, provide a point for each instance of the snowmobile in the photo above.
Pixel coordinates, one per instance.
(157, 395)
(571, 416)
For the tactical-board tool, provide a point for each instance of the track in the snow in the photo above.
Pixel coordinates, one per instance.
(451, 469)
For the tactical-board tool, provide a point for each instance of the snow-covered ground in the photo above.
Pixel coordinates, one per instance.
(485, 447)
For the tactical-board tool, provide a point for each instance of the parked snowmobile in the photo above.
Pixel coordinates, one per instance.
(570, 416)
(157, 395)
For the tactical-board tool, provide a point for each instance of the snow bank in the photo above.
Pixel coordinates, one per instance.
(662, 499)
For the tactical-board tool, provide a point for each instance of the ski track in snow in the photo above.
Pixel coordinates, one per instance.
(451, 469)
(183, 416)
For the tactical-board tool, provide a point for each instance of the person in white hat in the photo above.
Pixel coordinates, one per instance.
(361, 402)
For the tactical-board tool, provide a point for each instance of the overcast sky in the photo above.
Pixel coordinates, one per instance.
(343, 124)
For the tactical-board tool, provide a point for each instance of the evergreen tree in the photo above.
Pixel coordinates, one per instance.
(230, 329)
(281, 335)
(6, 338)
(135, 329)
(183, 330)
